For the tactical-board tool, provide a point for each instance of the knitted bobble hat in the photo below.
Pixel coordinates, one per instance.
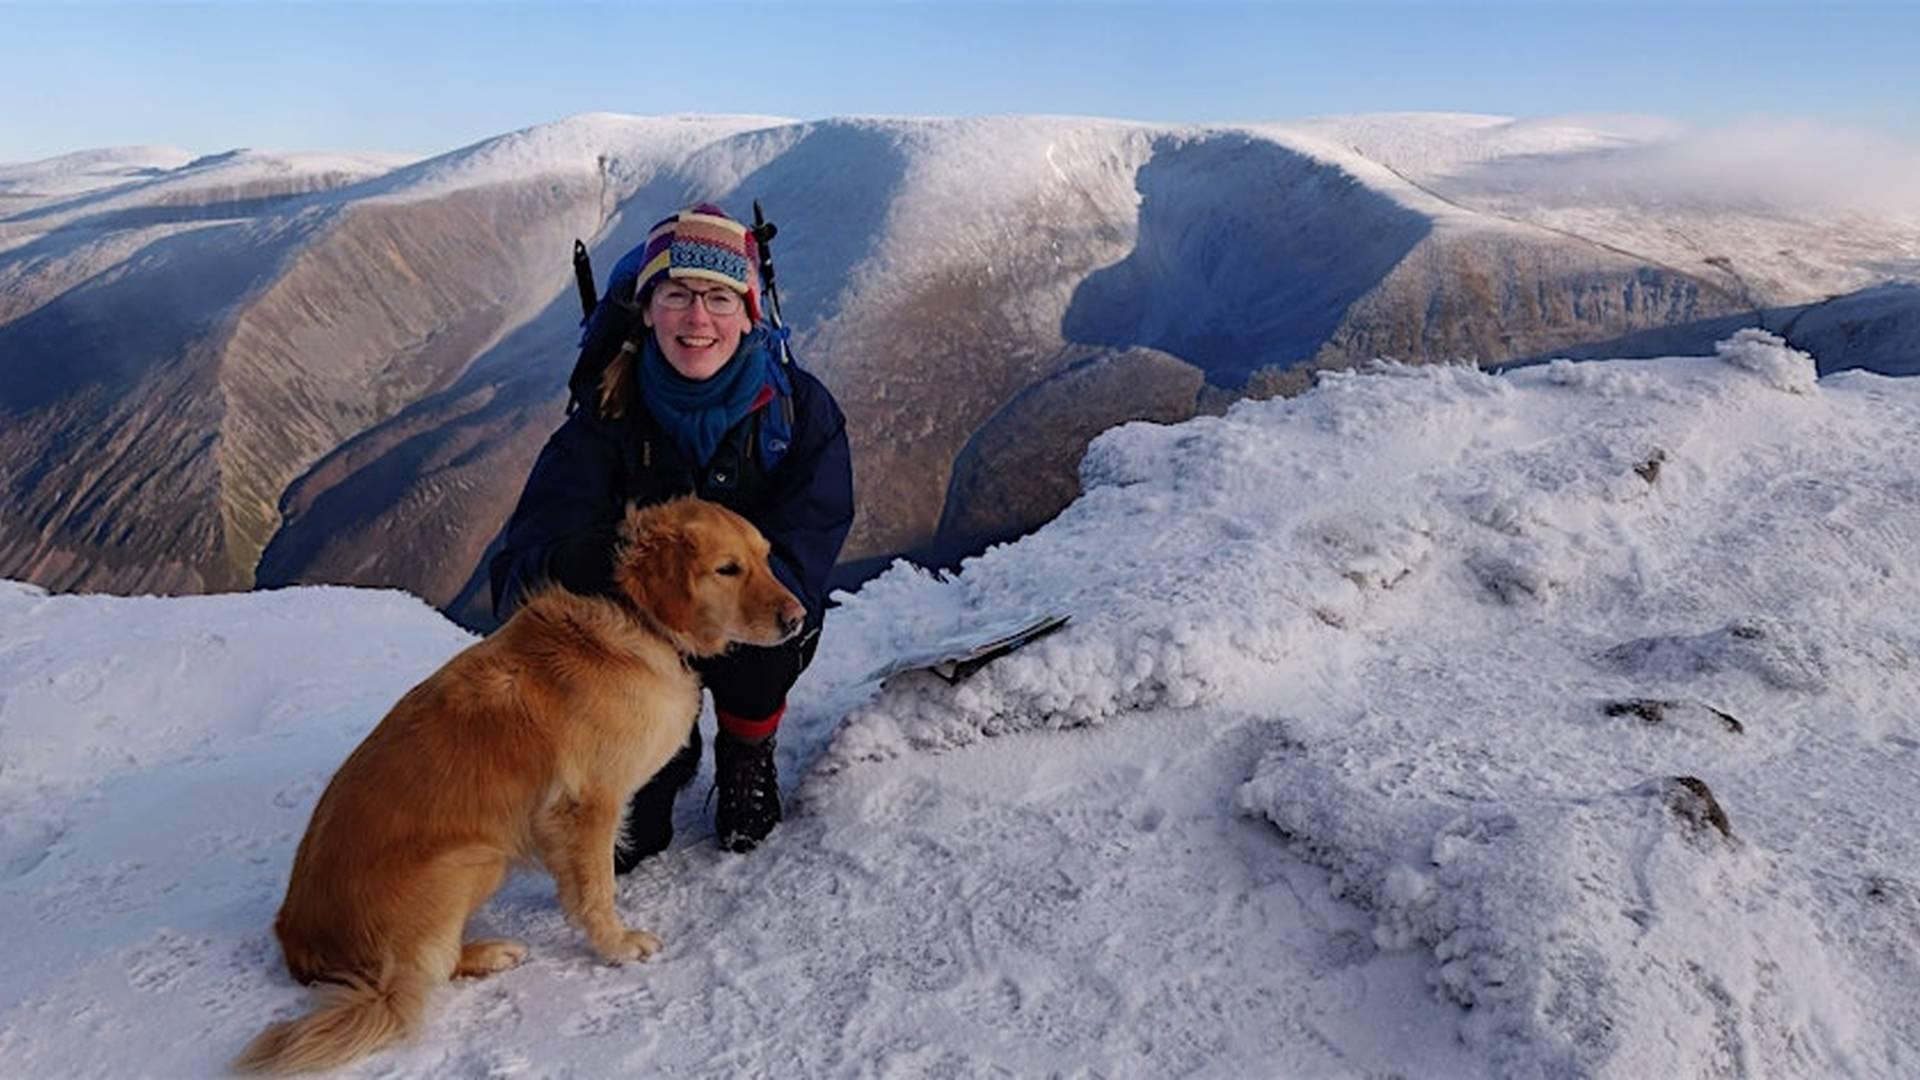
(702, 243)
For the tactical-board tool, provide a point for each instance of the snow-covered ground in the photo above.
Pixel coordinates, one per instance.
(1564, 722)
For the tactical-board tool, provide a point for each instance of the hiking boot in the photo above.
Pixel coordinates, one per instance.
(649, 825)
(749, 792)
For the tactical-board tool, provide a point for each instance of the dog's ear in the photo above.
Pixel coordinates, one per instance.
(658, 566)
(654, 568)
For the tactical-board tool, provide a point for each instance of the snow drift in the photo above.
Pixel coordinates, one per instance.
(1592, 682)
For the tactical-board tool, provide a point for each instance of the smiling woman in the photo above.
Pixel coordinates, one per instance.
(696, 401)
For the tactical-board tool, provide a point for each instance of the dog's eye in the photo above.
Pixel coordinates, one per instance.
(731, 569)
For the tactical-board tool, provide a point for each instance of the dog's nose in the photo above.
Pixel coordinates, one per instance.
(790, 618)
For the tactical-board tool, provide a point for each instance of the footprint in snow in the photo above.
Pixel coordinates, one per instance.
(628, 1011)
(300, 794)
(161, 963)
(110, 890)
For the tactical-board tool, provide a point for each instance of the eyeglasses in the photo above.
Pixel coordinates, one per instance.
(717, 301)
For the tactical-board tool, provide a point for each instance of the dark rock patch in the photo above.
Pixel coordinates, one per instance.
(1649, 470)
(1656, 711)
(1649, 710)
(1693, 802)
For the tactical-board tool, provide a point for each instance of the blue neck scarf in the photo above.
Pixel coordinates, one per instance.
(698, 414)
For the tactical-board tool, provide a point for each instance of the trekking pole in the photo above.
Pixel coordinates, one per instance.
(583, 279)
(763, 234)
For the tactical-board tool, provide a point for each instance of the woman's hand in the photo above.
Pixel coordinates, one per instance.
(583, 563)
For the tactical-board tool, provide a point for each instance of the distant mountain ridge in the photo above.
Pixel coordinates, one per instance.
(258, 369)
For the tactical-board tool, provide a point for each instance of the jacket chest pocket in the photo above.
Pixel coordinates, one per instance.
(723, 476)
(731, 479)
(738, 485)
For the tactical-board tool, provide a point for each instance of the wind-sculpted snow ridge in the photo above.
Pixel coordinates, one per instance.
(1760, 352)
(1593, 682)
(1182, 571)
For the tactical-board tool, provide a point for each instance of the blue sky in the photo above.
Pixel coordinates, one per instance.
(429, 77)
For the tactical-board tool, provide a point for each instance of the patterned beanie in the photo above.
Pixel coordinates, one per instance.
(702, 243)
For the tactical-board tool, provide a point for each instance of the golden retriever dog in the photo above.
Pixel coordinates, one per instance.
(524, 747)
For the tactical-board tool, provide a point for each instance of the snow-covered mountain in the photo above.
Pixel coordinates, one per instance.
(1557, 722)
(259, 368)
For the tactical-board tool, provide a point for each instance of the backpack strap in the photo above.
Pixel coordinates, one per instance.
(583, 278)
(763, 234)
(776, 424)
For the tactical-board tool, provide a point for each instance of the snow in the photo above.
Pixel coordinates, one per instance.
(1761, 353)
(1404, 155)
(78, 216)
(47, 195)
(237, 169)
(1427, 146)
(1778, 209)
(627, 150)
(975, 190)
(87, 170)
(1394, 734)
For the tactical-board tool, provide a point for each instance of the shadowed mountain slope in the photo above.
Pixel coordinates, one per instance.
(1246, 254)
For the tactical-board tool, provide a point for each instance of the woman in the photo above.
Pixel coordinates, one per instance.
(695, 401)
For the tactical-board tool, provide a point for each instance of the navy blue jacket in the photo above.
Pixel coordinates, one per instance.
(593, 467)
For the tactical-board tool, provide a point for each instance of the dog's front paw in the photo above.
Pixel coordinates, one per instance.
(478, 959)
(628, 945)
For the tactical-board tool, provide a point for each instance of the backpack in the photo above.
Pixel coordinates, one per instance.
(606, 324)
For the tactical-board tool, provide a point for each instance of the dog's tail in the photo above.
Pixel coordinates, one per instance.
(355, 1017)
